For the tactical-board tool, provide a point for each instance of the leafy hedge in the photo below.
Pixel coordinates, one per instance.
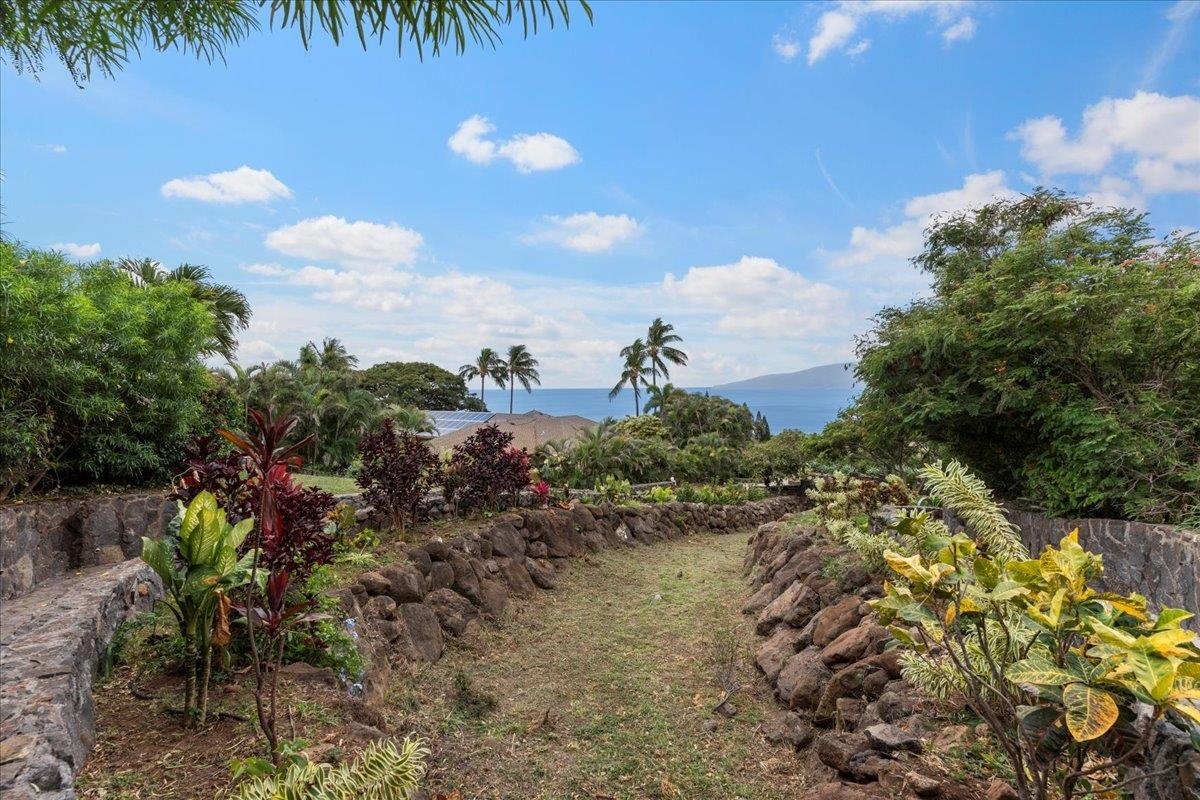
(103, 378)
(1059, 357)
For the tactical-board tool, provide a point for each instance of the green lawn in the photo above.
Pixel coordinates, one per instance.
(604, 688)
(337, 484)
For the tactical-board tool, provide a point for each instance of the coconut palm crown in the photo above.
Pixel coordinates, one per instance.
(487, 364)
(521, 367)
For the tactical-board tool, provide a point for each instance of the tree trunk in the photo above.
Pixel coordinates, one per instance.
(511, 391)
(481, 380)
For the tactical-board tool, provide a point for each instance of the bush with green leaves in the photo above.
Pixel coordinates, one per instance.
(659, 494)
(782, 457)
(1056, 357)
(727, 494)
(843, 504)
(103, 378)
(381, 771)
(199, 565)
(1071, 680)
(418, 384)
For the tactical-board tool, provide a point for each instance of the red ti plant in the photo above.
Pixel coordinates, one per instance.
(542, 492)
(265, 454)
(398, 469)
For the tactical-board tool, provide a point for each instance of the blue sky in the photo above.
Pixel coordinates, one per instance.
(757, 174)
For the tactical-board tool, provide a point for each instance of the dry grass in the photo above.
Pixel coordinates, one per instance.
(605, 687)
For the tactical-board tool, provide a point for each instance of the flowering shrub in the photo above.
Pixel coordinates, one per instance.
(486, 467)
(397, 471)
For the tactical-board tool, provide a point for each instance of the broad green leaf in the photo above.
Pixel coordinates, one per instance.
(1039, 671)
(987, 572)
(1090, 711)
(1169, 617)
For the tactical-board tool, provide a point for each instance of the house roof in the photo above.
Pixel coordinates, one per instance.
(529, 430)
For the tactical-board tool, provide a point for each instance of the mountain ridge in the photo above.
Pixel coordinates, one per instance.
(825, 376)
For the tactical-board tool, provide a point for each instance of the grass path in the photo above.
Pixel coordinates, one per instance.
(604, 688)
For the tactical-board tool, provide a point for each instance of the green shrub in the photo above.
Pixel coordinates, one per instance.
(1056, 357)
(103, 378)
(659, 494)
(1053, 666)
(784, 456)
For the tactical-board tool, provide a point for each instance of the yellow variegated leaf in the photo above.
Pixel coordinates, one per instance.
(1090, 711)
(910, 567)
(1039, 672)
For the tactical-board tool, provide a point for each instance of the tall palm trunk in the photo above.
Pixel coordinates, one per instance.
(511, 391)
(482, 378)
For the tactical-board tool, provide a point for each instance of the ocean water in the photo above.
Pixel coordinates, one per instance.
(806, 410)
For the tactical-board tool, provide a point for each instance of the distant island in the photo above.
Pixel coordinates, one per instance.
(827, 376)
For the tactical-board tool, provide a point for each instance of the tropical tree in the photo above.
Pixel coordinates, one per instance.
(86, 35)
(659, 397)
(418, 384)
(660, 339)
(633, 374)
(521, 367)
(487, 364)
(229, 307)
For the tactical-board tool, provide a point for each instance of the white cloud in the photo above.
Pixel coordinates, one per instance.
(56, 149)
(785, 47)
(588, 232)
(1160, 176)
(266, 270)
(1111, 191)
(837, 27)
(1154, 137)
(78, 251)
(529, 152)
(886, 249)
(960, 31)
(357, 245)
(372, 291)
(241, 185)
(757, 296)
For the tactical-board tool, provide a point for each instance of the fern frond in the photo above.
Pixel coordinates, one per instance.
(379, 772)
(956, 488)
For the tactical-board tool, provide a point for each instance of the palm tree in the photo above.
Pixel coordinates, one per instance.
(658, 397)
(229, 308)
(659, 339)
(101, 36)
(634, 373)
(520, 367)
(334, 356)
(487, 364)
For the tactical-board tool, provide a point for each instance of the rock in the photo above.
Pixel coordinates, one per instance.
(775, 651)
(849, 712)
(889, 739)
(1000, 790)
(493, 599)
(772, 613)
(420, 559)
(837, 749)
(760, 599)
(788, 727)
(842, 791)
(950, 736)
(466, 582)
(454, 612)
(374, 583)
(507, 542)
(922, 785)
(441, 576)
(380, 606)
(514, 574)
(833, 621)
(406, 584)
(421, 635)
(802, 680)
(537, 550)
(542, 572)
(854, 644)
(438, 549)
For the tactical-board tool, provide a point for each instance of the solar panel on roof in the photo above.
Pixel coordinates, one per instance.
(449, 421)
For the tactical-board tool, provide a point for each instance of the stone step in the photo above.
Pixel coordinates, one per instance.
(51, 642)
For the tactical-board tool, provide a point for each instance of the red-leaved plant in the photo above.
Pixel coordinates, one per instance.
(266, 452)
(488, 468)
(542, 492)
(398, 470)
